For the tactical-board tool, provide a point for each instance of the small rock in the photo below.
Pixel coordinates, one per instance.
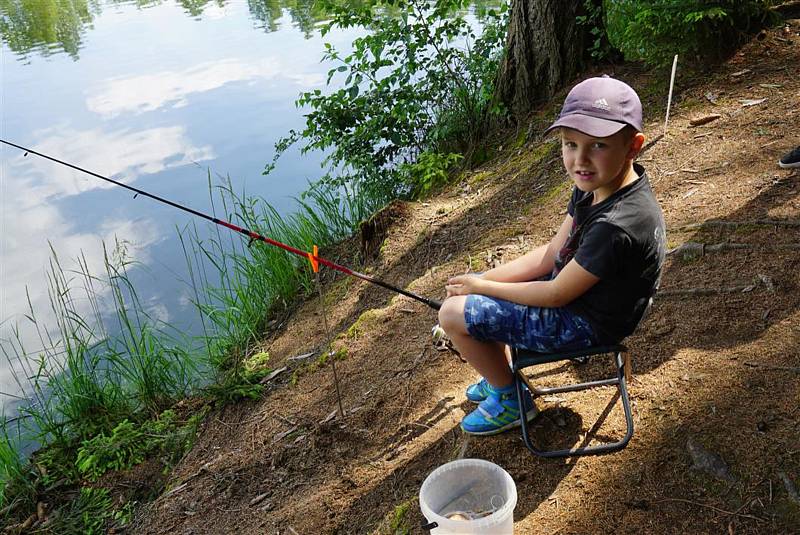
(260, 498)
(708, 462)
(767, 282)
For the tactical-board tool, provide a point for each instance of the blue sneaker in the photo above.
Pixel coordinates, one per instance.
(477, 392)
(497, 413)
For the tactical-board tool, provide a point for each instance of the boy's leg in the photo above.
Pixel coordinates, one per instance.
(488, 358)
(499, 410)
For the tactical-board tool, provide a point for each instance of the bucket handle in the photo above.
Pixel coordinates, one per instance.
(430, 525)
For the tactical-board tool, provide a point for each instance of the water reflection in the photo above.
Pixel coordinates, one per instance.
(122, 155)
(149, 92)
(48, 27)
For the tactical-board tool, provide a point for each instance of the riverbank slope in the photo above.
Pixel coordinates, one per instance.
(715, 363)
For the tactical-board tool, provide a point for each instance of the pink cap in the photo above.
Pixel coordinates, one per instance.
(600, 107)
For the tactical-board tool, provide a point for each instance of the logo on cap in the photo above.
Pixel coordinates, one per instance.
(602, 104)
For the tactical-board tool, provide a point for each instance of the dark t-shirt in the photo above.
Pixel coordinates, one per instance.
(622, 241)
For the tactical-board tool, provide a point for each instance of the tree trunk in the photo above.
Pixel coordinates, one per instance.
(544, 50)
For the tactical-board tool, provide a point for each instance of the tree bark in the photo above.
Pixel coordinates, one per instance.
(544, 50)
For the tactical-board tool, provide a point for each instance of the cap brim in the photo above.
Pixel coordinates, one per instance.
(591, 126)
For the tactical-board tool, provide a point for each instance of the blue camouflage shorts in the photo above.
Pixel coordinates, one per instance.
(527, 327)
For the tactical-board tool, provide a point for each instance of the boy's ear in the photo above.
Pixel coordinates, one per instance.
(636, 145)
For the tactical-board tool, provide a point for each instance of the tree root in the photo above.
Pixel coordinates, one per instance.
(687, 292)
(692, 249)
(773, 367)
(735, 224)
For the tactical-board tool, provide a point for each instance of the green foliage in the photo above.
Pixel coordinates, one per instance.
(701, 30)
(233, 386)
(238, 288)
(397, 521)
(420, 83)
(88, 513)
(15, 483)
(129, 444)
(85, 381)
(429, 171)
(600, 48)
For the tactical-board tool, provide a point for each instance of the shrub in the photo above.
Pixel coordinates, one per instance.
(703, 30)
(420, 83)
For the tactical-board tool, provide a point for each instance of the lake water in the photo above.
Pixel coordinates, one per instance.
(157, 94)
(154, 94)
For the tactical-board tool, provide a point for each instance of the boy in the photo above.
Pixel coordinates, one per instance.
(591, 284)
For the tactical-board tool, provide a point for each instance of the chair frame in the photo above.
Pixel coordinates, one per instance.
(521, 359)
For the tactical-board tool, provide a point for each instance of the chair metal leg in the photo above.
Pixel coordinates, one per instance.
(622, 390)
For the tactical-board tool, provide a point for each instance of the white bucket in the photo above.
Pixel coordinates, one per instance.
(469, 496)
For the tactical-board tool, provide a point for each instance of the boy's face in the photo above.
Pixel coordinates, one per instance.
(599, 164)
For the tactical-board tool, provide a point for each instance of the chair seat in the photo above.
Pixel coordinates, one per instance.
(526, 357)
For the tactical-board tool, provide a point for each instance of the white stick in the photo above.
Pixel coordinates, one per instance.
(671, 86)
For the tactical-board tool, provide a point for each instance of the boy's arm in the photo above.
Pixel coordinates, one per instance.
(571, 282)
(536, 263)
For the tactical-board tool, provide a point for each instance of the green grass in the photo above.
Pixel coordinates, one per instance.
(258, 281)
(397, 521)
(96, 402)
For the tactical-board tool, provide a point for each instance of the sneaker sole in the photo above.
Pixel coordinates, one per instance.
(528, 416)
(789, 165)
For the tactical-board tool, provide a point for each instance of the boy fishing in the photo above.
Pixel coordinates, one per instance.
(591, 284)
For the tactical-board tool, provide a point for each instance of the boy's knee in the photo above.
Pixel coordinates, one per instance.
(451, 315)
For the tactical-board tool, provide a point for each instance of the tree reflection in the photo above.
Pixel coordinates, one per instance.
(305, 14)
(45, 26)
(52, 26)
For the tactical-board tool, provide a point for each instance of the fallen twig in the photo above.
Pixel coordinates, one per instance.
(704, 120)
(773, 367)
(304, 356)
(723, 511)
(649, 145)
(273, 374)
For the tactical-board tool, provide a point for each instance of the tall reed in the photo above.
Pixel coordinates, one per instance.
(243, 285)
(106, 359)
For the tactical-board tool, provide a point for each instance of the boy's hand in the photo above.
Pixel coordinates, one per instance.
(464, 285)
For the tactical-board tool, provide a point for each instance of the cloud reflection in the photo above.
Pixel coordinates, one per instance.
(31, 217)
(149, 92)
(121, 155)
(24, 262)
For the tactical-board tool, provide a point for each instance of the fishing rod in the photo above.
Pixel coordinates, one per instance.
(254, 236)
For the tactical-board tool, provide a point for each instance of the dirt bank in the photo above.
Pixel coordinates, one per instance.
(716, 364)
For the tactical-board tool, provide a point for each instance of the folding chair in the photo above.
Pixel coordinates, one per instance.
(522, 359)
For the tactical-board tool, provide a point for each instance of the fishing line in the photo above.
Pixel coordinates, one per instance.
(254, 236)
